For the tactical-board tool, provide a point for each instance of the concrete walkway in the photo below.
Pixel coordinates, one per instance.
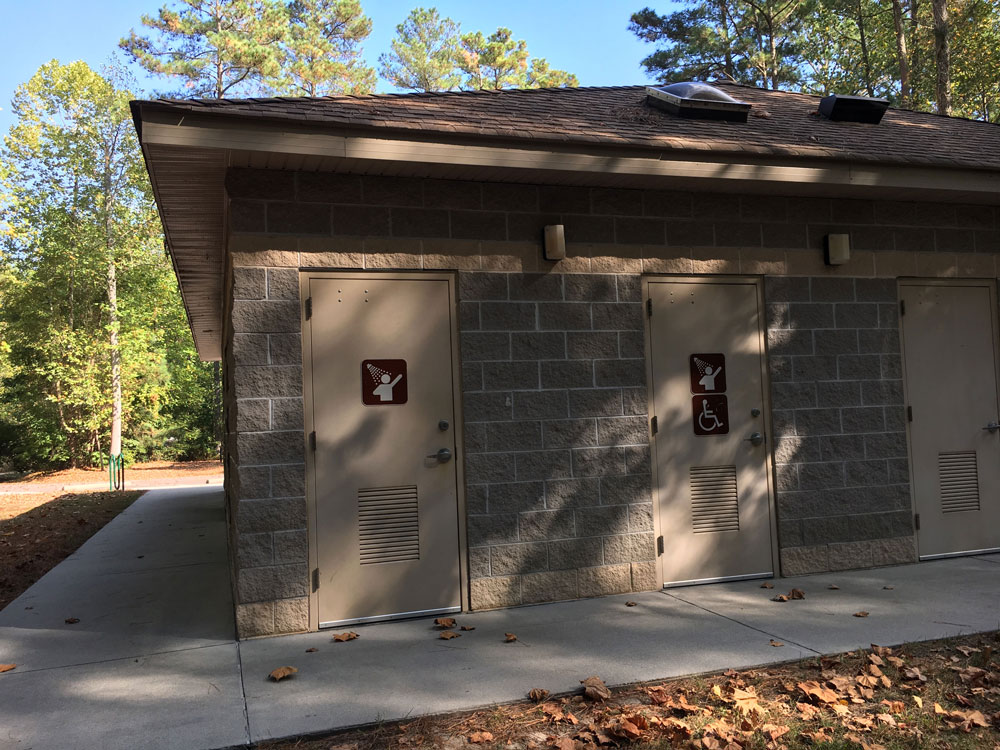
(153, 663)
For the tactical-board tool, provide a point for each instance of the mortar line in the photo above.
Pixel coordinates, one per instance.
(738, 622)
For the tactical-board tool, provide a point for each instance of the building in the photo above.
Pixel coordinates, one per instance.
(485, 349)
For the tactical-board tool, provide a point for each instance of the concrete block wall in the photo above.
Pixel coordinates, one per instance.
(553, 386)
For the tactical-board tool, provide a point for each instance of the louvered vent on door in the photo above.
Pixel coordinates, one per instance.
(714, 502)
(958, 474)
(388, 524)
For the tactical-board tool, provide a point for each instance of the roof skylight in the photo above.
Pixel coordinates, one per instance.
(697, 100)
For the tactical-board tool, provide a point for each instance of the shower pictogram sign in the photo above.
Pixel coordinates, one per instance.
(383, 382)
(709, 407)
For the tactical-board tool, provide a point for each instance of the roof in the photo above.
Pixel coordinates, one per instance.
(781, 123)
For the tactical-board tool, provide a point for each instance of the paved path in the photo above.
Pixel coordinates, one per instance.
(153, 664)
(33, 488)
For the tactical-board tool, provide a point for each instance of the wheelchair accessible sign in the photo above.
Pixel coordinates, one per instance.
(709, 406)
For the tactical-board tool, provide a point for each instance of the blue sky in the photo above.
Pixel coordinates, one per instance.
(587, 37)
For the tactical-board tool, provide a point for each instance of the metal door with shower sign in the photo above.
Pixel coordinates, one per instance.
(950, 355)
(712, 483)
(386, 531)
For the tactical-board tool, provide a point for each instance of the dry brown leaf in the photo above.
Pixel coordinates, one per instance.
(538, 694)
(876, 660)
(821, 735)
(813, 689)
(282, 672)
(840, 709)
(478, 738)
(630, 604)
(594, 689)
(7, 667)
(774, 731)
(886, 720)
(888, 588)
(808, 710)
(895, 661)
(833, 587)
(874, 671)
(445, 623)
(509, 637)
(746, 700)
(467, 628)
(913, 674)
(563, 743)
(967, 650)
(674, 730)
(919, 701)
(767, 585)
(862, 613)
(623, 727)
(776, 644)
(867, 681)
(447, 635)
(350, 635)
(796, 594)
(311, 650)
(780, 598)
(72, 620)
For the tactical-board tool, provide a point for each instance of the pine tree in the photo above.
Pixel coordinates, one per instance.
(499, 62)
(424, 53)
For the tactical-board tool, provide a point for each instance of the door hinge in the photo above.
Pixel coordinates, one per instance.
(909, 413)
(659, 545)
(312, 440)
(654, 426)
(315, 579)
(916, 521)
(309, 308)
(902, 307)
(649, 307)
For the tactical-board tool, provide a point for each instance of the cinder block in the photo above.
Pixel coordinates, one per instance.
(543, 465)
(848, 555)
(538, 345)
(591, 288)
(256, 316)
(644, 576)
(285, 348)
(564, 316)
(551, 404)
(479, 346)
(629, 548)
(286, 414)
(479, 562)
(270, 514)
(250, 349)
(253, 414)
(515, 559)
(549, 587)
(621, 490)
(619, 372)
(283, 283)
(796, 561)
(254, 550)
(536, 287)
(269, 447)
(291, 615)
(491, 593)
(567, 374)
(506, 376)
(298, 218)
(571, 493)
(289, 480)
(605, 580)
(592, 345)
(255, 619)
(249, 283)
(516, 497)
(602, 520)
(894, 551)
(485, 531)
(593, 462)
(575, 553)
(270, 583)
(291, 546)
(489, 467)
(546, 524)
(252, 482)
(328, 187)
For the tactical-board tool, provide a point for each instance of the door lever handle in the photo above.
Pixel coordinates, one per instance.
(992, 426)
(443, 455)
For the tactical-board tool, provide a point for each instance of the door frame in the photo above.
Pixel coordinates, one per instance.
(765, 386)
(305, 275)
(992, 286)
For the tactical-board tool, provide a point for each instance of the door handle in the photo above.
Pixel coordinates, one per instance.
(992, 426)
(442, 456)
(755, 438)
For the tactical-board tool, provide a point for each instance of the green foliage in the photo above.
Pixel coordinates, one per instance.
(77, 205)
(321, 54)
(424, 53)
(499, 61)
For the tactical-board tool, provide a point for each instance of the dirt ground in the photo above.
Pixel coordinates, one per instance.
(38, 531)
(134, 473)
(943, 695)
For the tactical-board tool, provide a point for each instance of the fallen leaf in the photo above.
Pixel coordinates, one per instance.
(886, 719)
(767, 585)
(821, 735)
(447, 635)
(808, 710)
(7, 667)
(509, 637)
(776, 644)
(833, 587)
(478, 738)
(311, 650)
(780, 598)
(630, 604)
(796, 594)
(281, 672)
(445, 623)
(594, 689)
(888, 588)
(538, 694)
(774, 731)
(72, 620)
(895, 661)
(813, 689)
(913, 674)
(467, 628)
(862, 613)
(967, 650)
(919, 701)
(348, 636)
(564, 743)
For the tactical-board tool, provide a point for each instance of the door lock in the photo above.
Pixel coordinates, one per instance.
(442, 456)
(992, 426)
(755, 438)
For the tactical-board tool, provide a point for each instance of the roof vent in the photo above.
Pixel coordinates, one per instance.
(841, 108)
(697, 100)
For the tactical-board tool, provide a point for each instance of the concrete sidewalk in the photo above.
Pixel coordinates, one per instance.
(153, 664)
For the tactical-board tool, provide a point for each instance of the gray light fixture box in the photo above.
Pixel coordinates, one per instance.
(838, 249)
(555, 242)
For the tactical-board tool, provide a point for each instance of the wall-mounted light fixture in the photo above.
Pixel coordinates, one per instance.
(555, 242)
(837, 249)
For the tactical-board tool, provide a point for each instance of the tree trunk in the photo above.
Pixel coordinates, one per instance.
(727, 44)
(116, 361)
(901, 58)
(865, 55)
(942, 54)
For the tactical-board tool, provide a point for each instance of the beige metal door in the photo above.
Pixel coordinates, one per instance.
(950, 359)
(710, 449)
(380, 353)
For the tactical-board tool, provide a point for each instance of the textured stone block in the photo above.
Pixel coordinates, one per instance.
(298, 218)
(602, 520)
(637, 459)
(605, 580)
(543, 465)
(328, 187)
(796, 561)
(569, 433)
(546, 525)
(516, 497)
(482, 346)
(286, 414)
(506, 376)
(825, 530)
(270, 447)
(260, 183)
(786, 289)
(270, 514)
(491, 593)
(251, 482)
(291, 546)
(848, 555)
(867, 526)
(514, 559)
(564, 316)
(575, 553)
(592, 345)
(567, 374)
(839, 393)
(485, 531)
(592, 462)
(536, 287)
(479, 562)
(552, 404)
(817, 421)
(595, 402)
(635, 401)
(787, 341)
(476, 502)
(644, 576)
(253, 415)
(793, 395)
(274, 582)
(250, 349)
(255, 619)
(538, 345)
(894, 551)
(629, 548)
(571, 493)
(507, 316)
(620, 490)
(482, 286)
(591, 288)
(255, 550)
(282, 283)
(619, 372)
(249, 283)
(267, 382)
(288, 480)
(254, 316)
(549, 587)
(285, 348)
(291, 615)
(489, 467)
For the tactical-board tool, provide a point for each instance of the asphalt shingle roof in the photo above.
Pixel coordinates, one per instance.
(781, 124)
